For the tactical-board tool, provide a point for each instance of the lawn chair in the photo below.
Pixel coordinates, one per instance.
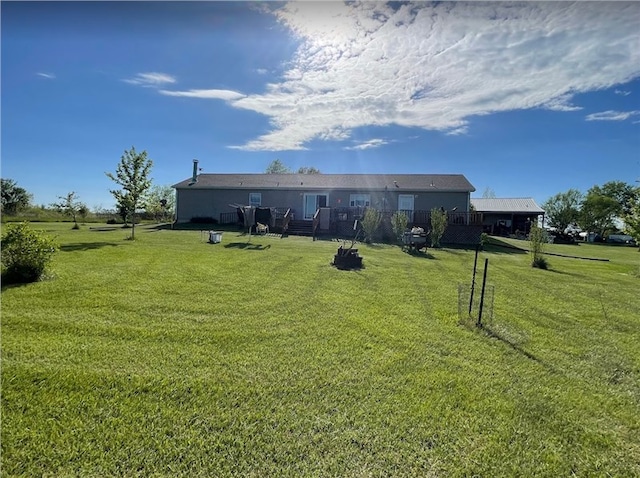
(262, 228)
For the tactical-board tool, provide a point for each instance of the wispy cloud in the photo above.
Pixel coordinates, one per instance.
(226, 95)
(622, 92)
(151, 80)
(372, 143)
(437, 65)
(48, 76)
(612, 115)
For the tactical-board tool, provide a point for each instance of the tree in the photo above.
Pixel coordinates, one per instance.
(598, 213)
(132, 174)
(277, 167)
(160, 203)
(83, 212)
(632, 220)
(438, 225)
(489, 193)
(624, 194)
(308, 170)
(563, 209)
(14, 198)
(603, 205)
(69, 206)
(370, 223)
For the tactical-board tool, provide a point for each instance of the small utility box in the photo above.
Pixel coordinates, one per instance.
(215, 237)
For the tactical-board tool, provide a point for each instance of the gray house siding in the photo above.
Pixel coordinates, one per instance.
(211, 202)
(210, 195)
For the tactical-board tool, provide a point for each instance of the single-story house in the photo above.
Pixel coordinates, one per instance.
(505, 216)
(211, 195)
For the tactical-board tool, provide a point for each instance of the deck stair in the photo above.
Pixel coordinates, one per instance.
(300, 228)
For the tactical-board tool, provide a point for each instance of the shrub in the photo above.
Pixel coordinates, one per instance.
(25, 253)
(438, 225)
(370, 223)
(538, 238)
(540, 263)
(399, 221)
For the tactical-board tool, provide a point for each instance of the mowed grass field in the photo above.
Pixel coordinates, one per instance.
(169, 356)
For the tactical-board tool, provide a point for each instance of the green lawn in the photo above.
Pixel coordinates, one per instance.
(169, 356)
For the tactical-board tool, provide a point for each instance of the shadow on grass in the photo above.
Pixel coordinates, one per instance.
(86, 246)
(12, 285)
(158, 227)
(12, 282)
(500, 247)
(515, 346)
(247, 245)
(115, 227)
(420, 255)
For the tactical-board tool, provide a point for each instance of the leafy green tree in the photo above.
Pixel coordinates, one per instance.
(25, 253)
(14, 198)
(563, 209)
(69, 206)
(438, 225)
(632, 221)
(277, 167)
(370, 223)
(399, 221)
(624, 194)
(83, 212)
(132, 174)
(308, 170)
(161, 203)
(598, 213)
(604, 204)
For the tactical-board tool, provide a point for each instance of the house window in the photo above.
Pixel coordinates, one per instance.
(255, 199)
(359, 200)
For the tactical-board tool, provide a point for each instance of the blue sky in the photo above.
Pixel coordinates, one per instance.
(527, 99)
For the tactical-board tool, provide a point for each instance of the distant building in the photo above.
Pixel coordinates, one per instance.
(505, 216)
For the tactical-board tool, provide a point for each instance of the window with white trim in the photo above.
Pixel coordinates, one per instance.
(255, 199)
(359, 200)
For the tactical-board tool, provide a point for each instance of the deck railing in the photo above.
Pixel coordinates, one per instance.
(316, 222)
(285, 220)
(347, 215)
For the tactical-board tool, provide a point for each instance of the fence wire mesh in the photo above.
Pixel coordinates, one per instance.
(469, 310)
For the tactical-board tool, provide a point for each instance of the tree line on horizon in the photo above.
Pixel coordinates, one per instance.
(604, 209)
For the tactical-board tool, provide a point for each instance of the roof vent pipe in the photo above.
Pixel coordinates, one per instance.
(195, 171)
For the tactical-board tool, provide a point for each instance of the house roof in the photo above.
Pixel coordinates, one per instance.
(508, 205)
(401, 182)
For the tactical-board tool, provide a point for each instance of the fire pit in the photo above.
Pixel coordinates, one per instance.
(347, 258)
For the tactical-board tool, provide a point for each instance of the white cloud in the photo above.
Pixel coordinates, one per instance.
(622, 92)
(152, 79)
(612, 115)
(435, 66)
(49, 76)
(262, 71)
(372, 143)
(226, 95)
